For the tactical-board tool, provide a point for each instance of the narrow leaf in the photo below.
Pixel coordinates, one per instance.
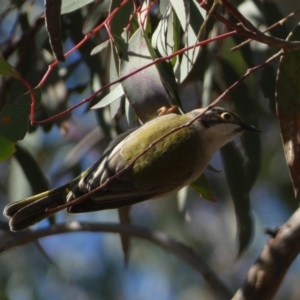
(233, 165)
(7, 70)
(7, 148)
(124, 217)
(68, 6)
(190, 18)
(52, 19)
(144, 90)
(95, 15)
(14, 119)
(200, 185)
(109, 98)
(32, 170)
(288, 108)
(100, 47)
(245, 160)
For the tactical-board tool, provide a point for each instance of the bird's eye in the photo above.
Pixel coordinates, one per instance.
(226, 116)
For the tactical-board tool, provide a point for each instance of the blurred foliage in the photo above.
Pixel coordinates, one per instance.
(253, 190)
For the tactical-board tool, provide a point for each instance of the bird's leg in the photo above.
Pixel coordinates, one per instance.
(167, 110)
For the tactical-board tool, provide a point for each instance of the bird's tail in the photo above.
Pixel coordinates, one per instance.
(29, 211)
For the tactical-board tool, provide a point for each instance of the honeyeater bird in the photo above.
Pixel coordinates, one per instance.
(155, 160)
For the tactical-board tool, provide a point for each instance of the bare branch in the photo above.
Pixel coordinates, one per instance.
(161, 239)
(248, 73)
(265, 276)
(280, 22)
(246, 29)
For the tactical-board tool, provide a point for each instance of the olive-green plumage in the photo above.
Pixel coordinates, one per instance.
(157, 159)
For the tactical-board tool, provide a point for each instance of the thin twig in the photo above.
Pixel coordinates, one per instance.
(248, 72)
(120, 79)
(243, 30)
(280, 22)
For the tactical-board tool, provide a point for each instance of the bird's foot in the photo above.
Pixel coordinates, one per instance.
(167, 110)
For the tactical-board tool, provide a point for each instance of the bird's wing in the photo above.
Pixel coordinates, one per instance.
(110, 190)
(114, 180)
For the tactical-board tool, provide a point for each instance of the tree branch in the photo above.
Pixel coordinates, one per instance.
(247, 29)
(265, 276)
(161, 239)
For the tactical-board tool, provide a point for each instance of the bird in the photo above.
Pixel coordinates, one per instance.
(153, 161)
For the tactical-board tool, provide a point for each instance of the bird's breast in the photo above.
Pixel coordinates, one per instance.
(172, 161)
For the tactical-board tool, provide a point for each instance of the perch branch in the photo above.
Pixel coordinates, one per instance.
(161, 239)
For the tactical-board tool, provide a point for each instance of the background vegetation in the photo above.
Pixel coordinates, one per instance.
(129, 58)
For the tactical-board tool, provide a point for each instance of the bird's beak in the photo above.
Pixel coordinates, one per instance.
(247, 127)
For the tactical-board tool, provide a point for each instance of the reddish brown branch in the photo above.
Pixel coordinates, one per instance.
(280, 22)
(120, 79)
(248, 72)
(246, 29)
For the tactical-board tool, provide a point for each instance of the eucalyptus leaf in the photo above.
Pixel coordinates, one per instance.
(68, 6)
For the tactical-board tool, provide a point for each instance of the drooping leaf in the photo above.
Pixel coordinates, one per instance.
(32, 170)
(94, 16)
(288, 108)
(100, 47)
(124, 217)
(68, 6)
(109, 98)
(14, 118)
(144, 90)
(7, 148)
(245, 108)
(52, 19)
(190, 18)
(241, 178)
(121, 17)
(167, 75)
(201, 186)
(7, 70)
(233, 165)
(162, 38)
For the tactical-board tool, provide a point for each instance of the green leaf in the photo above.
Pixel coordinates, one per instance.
(234, 169)
(166, 74)
(162, 38)
(53, 27)
(245, 108)
(100, 47)
(68, 6)
(95, 15)
(200, 185)
(144, 90)
(190, 18)
(124, 217)
(241, 168)
(32, 170)
(7, 148)
(109, 98)
(14, 118)
(120, 19)
(288, 108)
(7, 70)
